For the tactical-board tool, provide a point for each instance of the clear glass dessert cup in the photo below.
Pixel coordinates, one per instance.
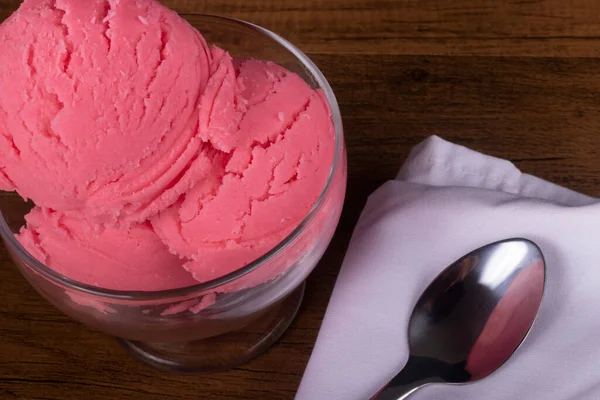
(225, 322)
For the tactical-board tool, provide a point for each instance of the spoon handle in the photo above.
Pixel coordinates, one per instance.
(409, 380)
(394, 393)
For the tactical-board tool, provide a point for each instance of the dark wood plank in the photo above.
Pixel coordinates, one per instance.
(543, 113)
(531, 27)
(442, 27)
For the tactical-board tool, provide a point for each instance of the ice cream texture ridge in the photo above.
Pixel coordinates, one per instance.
(154, 160)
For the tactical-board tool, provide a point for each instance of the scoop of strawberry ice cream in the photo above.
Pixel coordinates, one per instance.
(281, 151)
(99, 105)
(113, 258)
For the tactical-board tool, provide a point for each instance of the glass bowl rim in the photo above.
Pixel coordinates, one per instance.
(131, 295)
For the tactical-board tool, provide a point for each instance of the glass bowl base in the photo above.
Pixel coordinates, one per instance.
(220, 352)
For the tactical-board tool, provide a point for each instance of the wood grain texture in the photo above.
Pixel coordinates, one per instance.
(442, 27)
(515, 79)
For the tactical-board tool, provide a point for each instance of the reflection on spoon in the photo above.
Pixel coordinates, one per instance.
(472, 317)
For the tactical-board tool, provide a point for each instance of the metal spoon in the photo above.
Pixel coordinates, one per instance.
(472, 317)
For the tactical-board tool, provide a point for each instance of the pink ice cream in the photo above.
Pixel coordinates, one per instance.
(273, 177)
(118, 259)
(148, 153)
(98, 111)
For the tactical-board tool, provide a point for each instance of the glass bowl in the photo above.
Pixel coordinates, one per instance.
(225, 322)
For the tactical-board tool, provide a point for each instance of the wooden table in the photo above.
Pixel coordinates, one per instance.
(515, 79)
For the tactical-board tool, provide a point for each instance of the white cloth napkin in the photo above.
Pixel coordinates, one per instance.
(446, 201)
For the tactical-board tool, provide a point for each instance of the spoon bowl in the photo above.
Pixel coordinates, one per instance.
(472, 317)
